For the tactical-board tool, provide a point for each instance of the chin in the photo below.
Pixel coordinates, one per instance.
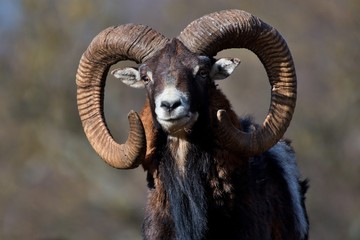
(179, 127)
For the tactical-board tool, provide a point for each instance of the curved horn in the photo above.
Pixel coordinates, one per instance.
(238, 29)
(125, 42)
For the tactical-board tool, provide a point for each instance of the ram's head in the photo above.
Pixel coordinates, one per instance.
(176, 74)
(176, 81)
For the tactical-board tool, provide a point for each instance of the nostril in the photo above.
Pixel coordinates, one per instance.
(176, 104)
(165, 104)
(170, 105)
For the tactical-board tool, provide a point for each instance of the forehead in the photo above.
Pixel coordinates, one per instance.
(175, 55)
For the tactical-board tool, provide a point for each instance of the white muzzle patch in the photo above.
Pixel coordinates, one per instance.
(172, 111)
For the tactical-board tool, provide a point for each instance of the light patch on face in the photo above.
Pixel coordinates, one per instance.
(150, 74)
(195, 70)
(172, 111)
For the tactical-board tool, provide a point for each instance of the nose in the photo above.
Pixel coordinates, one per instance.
(170, 105)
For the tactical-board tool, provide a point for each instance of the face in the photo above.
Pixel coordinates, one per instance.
(177, 81)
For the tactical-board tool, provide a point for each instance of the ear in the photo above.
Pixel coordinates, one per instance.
(130, 76)
(223, 68)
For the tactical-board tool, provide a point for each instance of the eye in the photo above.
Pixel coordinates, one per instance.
(203, 73)
(145, 79)
(145, 73)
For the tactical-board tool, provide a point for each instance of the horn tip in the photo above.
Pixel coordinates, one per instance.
(133, 115)
(221, 114)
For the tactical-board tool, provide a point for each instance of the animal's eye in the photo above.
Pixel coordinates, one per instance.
(145, 78)
(203, 73)
(145, 73)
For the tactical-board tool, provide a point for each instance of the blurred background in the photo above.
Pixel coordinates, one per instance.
(54, 186)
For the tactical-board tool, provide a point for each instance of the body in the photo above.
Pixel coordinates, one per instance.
(199, 190)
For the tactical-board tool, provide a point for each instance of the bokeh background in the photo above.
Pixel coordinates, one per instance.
(54, 186)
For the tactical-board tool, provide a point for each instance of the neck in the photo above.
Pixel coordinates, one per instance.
(179, 149)
(183, 170)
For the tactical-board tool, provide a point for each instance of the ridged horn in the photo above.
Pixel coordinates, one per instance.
(238, 29)
(125, 42)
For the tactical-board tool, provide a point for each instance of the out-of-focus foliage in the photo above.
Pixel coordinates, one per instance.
(53, 185)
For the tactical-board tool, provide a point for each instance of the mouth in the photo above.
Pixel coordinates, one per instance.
(174, 125)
